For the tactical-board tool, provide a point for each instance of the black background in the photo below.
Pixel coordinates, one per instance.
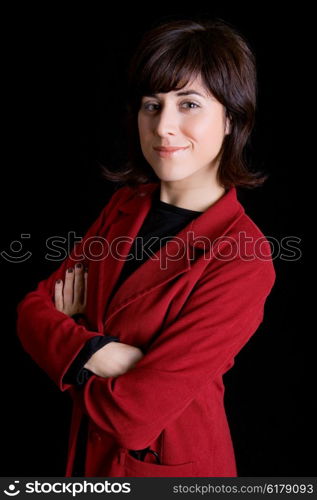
(63, 101)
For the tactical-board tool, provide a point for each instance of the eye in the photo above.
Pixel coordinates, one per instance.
(147, 105)
(190, 102)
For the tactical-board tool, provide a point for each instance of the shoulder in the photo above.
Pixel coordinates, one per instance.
(120, 195)
(248, 232)
(125, 193)
(252, 250)
(240, 252)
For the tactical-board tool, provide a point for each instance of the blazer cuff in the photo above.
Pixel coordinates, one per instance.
(77, 374)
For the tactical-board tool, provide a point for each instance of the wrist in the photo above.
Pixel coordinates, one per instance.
(78, 316)
(103, 362)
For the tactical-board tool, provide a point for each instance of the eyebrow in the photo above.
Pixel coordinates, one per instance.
(183, 92)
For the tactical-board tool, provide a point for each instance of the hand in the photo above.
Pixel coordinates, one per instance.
(70, 298)
(114, 359)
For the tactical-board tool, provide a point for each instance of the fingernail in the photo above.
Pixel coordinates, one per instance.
(58, 281)
(78, 265)
(70, 270)
(86, 269)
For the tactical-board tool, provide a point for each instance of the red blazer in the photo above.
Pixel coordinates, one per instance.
(190, 311)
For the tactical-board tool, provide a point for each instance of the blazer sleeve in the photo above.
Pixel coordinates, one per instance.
(222, 312)
(52, 338)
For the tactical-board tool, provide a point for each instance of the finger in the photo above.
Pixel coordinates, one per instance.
(86, 283)
(58, 295)
(79, 284)
(68, 287)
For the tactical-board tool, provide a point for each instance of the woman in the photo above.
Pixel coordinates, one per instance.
(178, 274)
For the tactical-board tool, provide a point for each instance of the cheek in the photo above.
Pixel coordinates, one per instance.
(208, 131)
(198, 126)
(143, 129)
(140, 128)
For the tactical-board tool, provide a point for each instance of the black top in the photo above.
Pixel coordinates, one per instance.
(162, 223)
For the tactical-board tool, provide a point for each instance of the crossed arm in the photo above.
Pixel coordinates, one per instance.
(70, 297)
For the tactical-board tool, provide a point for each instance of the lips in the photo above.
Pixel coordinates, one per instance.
(169, 149)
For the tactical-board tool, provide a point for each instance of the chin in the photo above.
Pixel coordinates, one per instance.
(169, 177)
(167, 173)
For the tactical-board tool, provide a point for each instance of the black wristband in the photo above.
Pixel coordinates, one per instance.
(77, 316)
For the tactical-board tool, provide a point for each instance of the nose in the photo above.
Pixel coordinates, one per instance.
(167, 121)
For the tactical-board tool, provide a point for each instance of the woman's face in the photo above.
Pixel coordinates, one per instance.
(196, 122)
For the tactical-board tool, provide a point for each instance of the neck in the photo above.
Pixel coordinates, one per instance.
(198, 198)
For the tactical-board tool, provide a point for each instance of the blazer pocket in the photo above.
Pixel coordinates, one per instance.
(136, 468)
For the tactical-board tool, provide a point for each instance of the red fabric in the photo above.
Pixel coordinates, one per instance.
(191, 315)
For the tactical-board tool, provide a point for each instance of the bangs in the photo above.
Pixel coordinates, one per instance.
(167, 74)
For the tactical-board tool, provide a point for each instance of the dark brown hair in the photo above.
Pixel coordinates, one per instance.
(175, 52)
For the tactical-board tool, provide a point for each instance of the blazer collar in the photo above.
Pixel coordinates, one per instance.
(214, 222)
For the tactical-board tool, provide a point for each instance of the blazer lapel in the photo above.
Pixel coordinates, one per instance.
(154, 272)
